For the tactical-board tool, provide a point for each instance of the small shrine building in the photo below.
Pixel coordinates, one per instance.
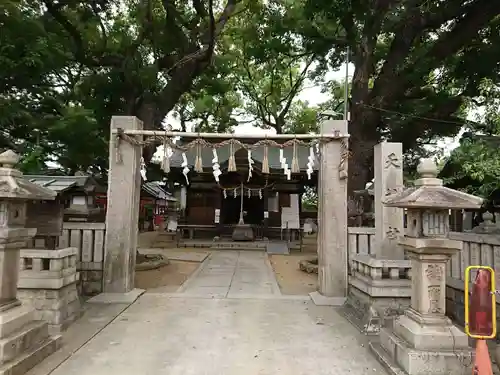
(263, 187)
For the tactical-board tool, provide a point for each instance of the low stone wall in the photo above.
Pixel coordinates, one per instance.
(47, 282)
(455, 301)
(88, 238)
(478, 249)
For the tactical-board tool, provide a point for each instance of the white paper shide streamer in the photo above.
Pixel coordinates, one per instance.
(143, 169)
(250, 165)
(216, 167)
(310, 163)
(185, 168)
(286, 171)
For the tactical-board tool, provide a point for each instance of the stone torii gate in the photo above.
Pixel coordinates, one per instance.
(122, 215)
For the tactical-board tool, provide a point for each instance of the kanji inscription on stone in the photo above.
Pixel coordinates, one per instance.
(392, 161)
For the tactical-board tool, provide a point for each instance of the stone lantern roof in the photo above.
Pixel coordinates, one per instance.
(429, 193)
(14, 186)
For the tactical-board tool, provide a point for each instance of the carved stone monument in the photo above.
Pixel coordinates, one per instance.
(24, 342)
(380, 284)
(423, 340)
(389, 222)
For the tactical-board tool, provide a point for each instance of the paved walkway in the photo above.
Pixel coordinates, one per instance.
(244, 327)
(233, 274)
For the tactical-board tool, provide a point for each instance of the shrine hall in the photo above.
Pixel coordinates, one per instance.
(242, 195)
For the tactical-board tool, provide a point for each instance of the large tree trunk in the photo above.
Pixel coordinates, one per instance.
(360, 164)
(363, 138)
(151, 118)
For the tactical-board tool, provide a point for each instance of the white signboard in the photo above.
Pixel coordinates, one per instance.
(217, 216)
(172, 224)
(289, 218)
(290, 215)
(266, 214)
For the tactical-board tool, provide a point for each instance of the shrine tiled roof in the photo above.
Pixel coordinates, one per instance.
(155, 189)
(59, 184)
(223, 154)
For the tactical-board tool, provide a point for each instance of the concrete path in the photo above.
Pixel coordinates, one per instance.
(200, 336)
(233, 274)
(229, 319)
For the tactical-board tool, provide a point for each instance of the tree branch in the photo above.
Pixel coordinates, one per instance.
(295, 88)
(386, 88)
(200, 9)
(464, 30)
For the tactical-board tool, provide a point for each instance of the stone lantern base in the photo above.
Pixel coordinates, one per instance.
(421, 345)
(24, 342)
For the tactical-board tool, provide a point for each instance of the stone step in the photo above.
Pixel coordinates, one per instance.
(309, 240)
(309, 244)
(399, 358)
(242, 247)
(29, 336)
(166, 237)
(29, 359)
(159, 245)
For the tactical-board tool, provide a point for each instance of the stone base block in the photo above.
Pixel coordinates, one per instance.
(14, 345)
(421, 336)
(31, 358)
(90, 282)
(14, 319)
(24, 342)
(59, 308)
(369, 314)
(400, 358)
(243, 232)
(321, 300)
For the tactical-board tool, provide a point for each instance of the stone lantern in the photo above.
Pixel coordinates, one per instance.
(423, 340)
(20, 335)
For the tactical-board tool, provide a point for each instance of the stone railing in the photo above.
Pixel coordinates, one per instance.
(50, 269)
(47, 282)
(381, 269)
(88, 238)
(477, 249)
(379, 290)
(361, 240)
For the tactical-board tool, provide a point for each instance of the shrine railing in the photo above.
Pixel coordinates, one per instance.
(47, 269)
(88, 238)
(361, 240)
(477, 249)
